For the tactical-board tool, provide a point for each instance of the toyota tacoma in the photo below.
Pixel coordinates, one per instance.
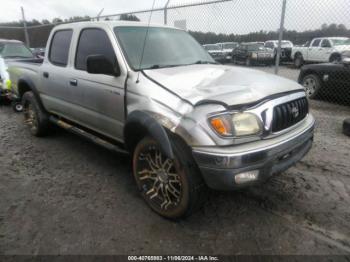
(152, 91)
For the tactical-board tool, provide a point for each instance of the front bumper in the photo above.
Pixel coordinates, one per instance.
(220, 166)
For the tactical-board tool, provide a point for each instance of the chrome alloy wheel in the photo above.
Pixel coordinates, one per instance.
(30, 117)
(158, 179)
(310, 86)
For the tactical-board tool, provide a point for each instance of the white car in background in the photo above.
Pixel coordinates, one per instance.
(321, 50)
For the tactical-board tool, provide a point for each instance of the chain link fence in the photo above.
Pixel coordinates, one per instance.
(247, 33)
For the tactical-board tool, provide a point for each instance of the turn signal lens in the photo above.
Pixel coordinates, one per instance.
(221, 125)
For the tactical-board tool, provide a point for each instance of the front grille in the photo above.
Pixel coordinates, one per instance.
(288, 114)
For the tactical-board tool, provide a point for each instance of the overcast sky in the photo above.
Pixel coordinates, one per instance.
(236, 16)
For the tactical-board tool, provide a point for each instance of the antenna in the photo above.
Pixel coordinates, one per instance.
(144, 42)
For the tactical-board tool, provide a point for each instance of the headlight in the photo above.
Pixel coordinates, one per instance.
(254, 55)
(237, 124)
(245, 124)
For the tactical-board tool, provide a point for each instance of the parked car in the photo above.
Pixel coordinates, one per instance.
(286, 49)
(187, 121)
(329, 79)
(215, 51)
(320, 50)
(252, 53)
(38, 52)
(227, 48)
(10, 50)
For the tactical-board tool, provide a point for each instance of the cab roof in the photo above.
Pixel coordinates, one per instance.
(110, 24)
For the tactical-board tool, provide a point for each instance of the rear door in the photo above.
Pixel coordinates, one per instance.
(54, 89)
(313, 50)
(101, 102)
(324, 51)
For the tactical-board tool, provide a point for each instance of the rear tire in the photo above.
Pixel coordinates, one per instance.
(346, 127)
(34, 116)
(312, 85)
(172, 188)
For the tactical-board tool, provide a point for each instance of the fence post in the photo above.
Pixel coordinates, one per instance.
(280, 37)
(26, 36)
(166, 12)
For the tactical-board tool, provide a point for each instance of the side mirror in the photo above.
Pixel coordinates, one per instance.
(99, 64)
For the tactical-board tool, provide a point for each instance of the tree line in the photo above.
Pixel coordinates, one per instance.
(39, 35)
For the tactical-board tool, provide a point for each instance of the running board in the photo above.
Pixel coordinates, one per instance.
(93, 138)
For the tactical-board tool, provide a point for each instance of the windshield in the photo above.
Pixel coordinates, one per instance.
(286, 44)
(212, 47)
(15, 50)
(164, 47)
(229, 46)
(341, 41)
(256, 47)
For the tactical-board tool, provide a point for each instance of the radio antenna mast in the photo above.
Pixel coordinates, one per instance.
(144, 42)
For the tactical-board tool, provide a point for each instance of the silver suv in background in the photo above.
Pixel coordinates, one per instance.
(227, 48)
(188, 122)
(286, 49)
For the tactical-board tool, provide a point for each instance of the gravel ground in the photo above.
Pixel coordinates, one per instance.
(64, 195)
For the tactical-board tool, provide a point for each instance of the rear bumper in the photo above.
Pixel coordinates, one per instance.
(221, 166)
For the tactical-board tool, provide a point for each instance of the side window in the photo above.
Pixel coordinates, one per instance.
(316, 42)
(93, 42)
(326, 43)
(59, 49)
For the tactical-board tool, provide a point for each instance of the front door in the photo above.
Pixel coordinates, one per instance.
(101, 103)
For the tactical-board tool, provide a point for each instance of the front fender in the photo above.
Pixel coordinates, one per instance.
(139, 122)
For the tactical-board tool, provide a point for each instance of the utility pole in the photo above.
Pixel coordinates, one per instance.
(166, 12)
(280, 37)
(26, 36)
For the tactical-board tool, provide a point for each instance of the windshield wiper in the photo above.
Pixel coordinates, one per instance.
(203, 62)
(160, 66)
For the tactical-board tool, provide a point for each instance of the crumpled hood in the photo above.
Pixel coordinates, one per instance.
(231, 85)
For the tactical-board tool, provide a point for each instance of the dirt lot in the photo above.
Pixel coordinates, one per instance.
(64, 195)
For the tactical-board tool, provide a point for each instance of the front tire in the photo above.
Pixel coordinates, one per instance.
(298, 61)
(335, 58)
(34, 116)
(172, 188)
(248, 62)
(312, 85)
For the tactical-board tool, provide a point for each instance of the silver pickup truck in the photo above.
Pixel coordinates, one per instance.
(154, 92)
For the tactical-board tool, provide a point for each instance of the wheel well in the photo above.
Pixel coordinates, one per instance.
(298, 54)
(134, 133)
(22, 88)
(308, 72)
(334, 55)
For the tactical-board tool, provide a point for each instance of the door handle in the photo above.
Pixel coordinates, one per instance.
(46, 74)
(73, 82)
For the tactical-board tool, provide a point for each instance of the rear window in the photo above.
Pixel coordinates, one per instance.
(316, 42)
(59, 50)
